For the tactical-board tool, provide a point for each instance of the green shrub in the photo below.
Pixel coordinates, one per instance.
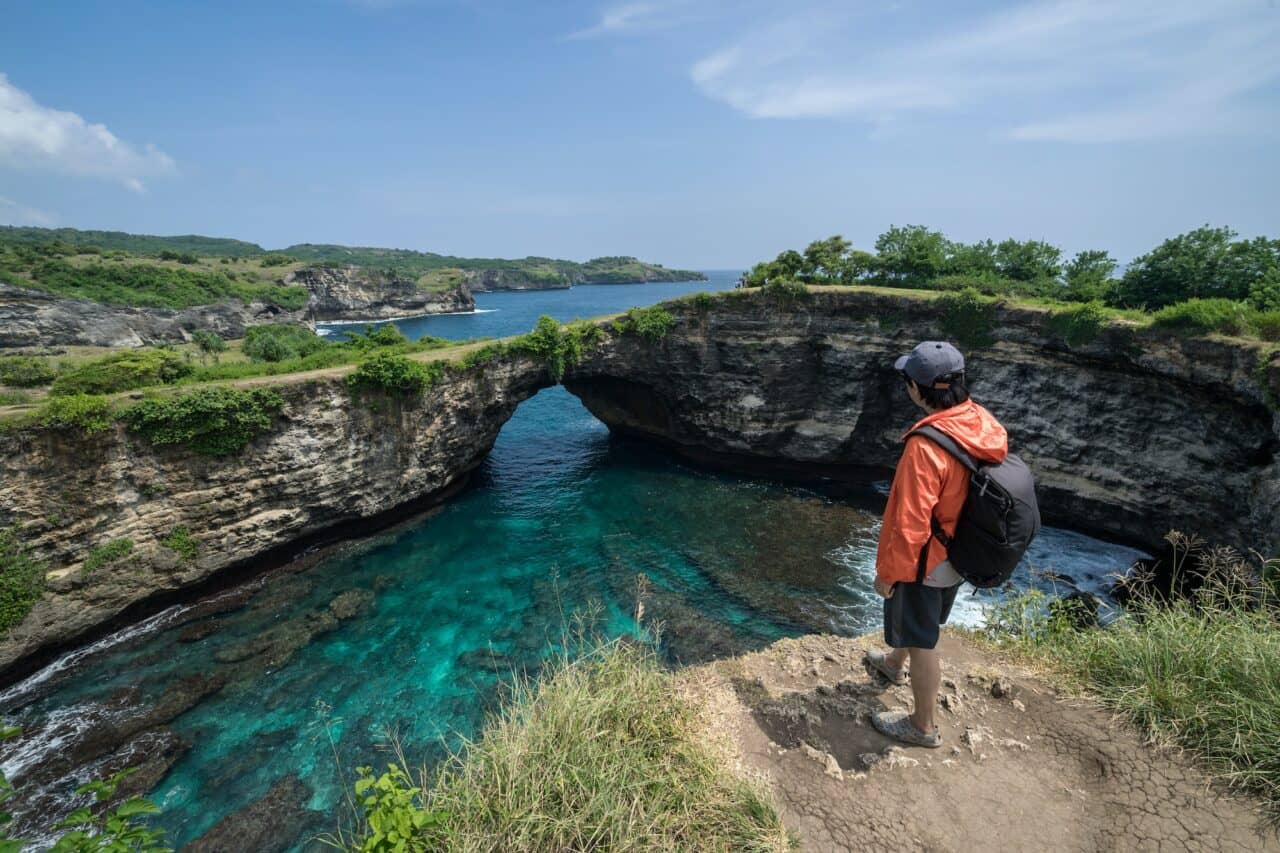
(1080, 325)
(601, 754)
(1200, 316)
(702, 301)
(558, 347)
(387, 335)
(545, 345)
(180, 257)
(786, 292)
(210, 343)
(653, 323)
(968, 317)
(214, 421)
(105, 555)
(1266, 325)
(394, 374)
(122, 371)
(276, 260)
(181, 541)
(21, 579)
(85, 412)
(25, 371)
(580, 336)
(280, 342)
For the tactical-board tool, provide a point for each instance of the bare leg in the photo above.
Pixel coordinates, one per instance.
(896, 658)
(926, 680)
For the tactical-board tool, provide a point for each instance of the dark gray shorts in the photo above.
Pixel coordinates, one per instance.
(915, 613)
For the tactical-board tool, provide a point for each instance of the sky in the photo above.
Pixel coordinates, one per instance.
(695, 133)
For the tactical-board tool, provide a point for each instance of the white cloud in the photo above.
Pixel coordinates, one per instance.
(33, 136)
(13, 213)
(1068, 70)
(633, 18)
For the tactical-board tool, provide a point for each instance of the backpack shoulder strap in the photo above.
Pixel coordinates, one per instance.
(948, 444)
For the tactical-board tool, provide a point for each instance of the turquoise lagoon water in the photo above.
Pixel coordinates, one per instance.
(562, 519)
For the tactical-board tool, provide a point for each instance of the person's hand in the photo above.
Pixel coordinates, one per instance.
(884, 590)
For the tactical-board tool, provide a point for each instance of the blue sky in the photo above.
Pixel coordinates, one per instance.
(700, 133)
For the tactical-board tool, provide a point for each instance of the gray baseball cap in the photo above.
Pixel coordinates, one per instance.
(929, 360)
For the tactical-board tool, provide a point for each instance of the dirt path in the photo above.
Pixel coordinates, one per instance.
(1021, 768)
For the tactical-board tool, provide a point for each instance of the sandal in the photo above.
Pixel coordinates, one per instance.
(898, 725)
(876, 661)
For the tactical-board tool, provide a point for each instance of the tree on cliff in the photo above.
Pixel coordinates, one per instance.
(1200, 264)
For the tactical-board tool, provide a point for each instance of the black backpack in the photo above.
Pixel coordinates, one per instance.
(999, 519)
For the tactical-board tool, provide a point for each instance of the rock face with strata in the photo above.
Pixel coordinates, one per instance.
(331, 460)
(1129, 436)
(351, 293)
(31, 318)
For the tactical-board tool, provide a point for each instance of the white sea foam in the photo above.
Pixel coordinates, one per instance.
(71, 658)
(327, 323)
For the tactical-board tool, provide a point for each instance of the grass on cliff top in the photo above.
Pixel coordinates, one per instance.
(601, 753)
(1201, 674)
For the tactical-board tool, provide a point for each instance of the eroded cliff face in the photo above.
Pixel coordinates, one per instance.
(1129, 436)
(350, 293)
(30, 318)
(330, 460)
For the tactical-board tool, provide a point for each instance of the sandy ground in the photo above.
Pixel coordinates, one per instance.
(1021, 767)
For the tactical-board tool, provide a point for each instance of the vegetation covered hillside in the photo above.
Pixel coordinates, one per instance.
(116, 268)
(549, 271)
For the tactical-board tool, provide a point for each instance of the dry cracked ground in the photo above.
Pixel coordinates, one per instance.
(1022, 768)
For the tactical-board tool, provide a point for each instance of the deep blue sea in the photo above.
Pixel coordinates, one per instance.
(562, 519)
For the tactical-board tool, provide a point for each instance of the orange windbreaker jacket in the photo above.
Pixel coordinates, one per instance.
(928, 482)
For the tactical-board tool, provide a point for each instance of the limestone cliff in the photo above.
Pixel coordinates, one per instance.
(330, 460)
(352, 293)
(32, 318)
(1129, 436)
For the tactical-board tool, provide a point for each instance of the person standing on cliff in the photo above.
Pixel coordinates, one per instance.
(913, 576)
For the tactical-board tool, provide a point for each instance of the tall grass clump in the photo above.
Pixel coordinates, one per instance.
(1200, 672)
(601, 753)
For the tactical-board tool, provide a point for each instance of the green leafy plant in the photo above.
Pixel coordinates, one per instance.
(280, 342)
(114, 831)
(1080, 325)
(215, 421)
(122, 371)
(653, 323)
(786, 292)
(391, 808)
(210, 344)
(968, 317)
(22, 579)
(394, 374)
(105, 555)
(26, 371)
(1199, 316)
(181, 541)
(88, 413)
